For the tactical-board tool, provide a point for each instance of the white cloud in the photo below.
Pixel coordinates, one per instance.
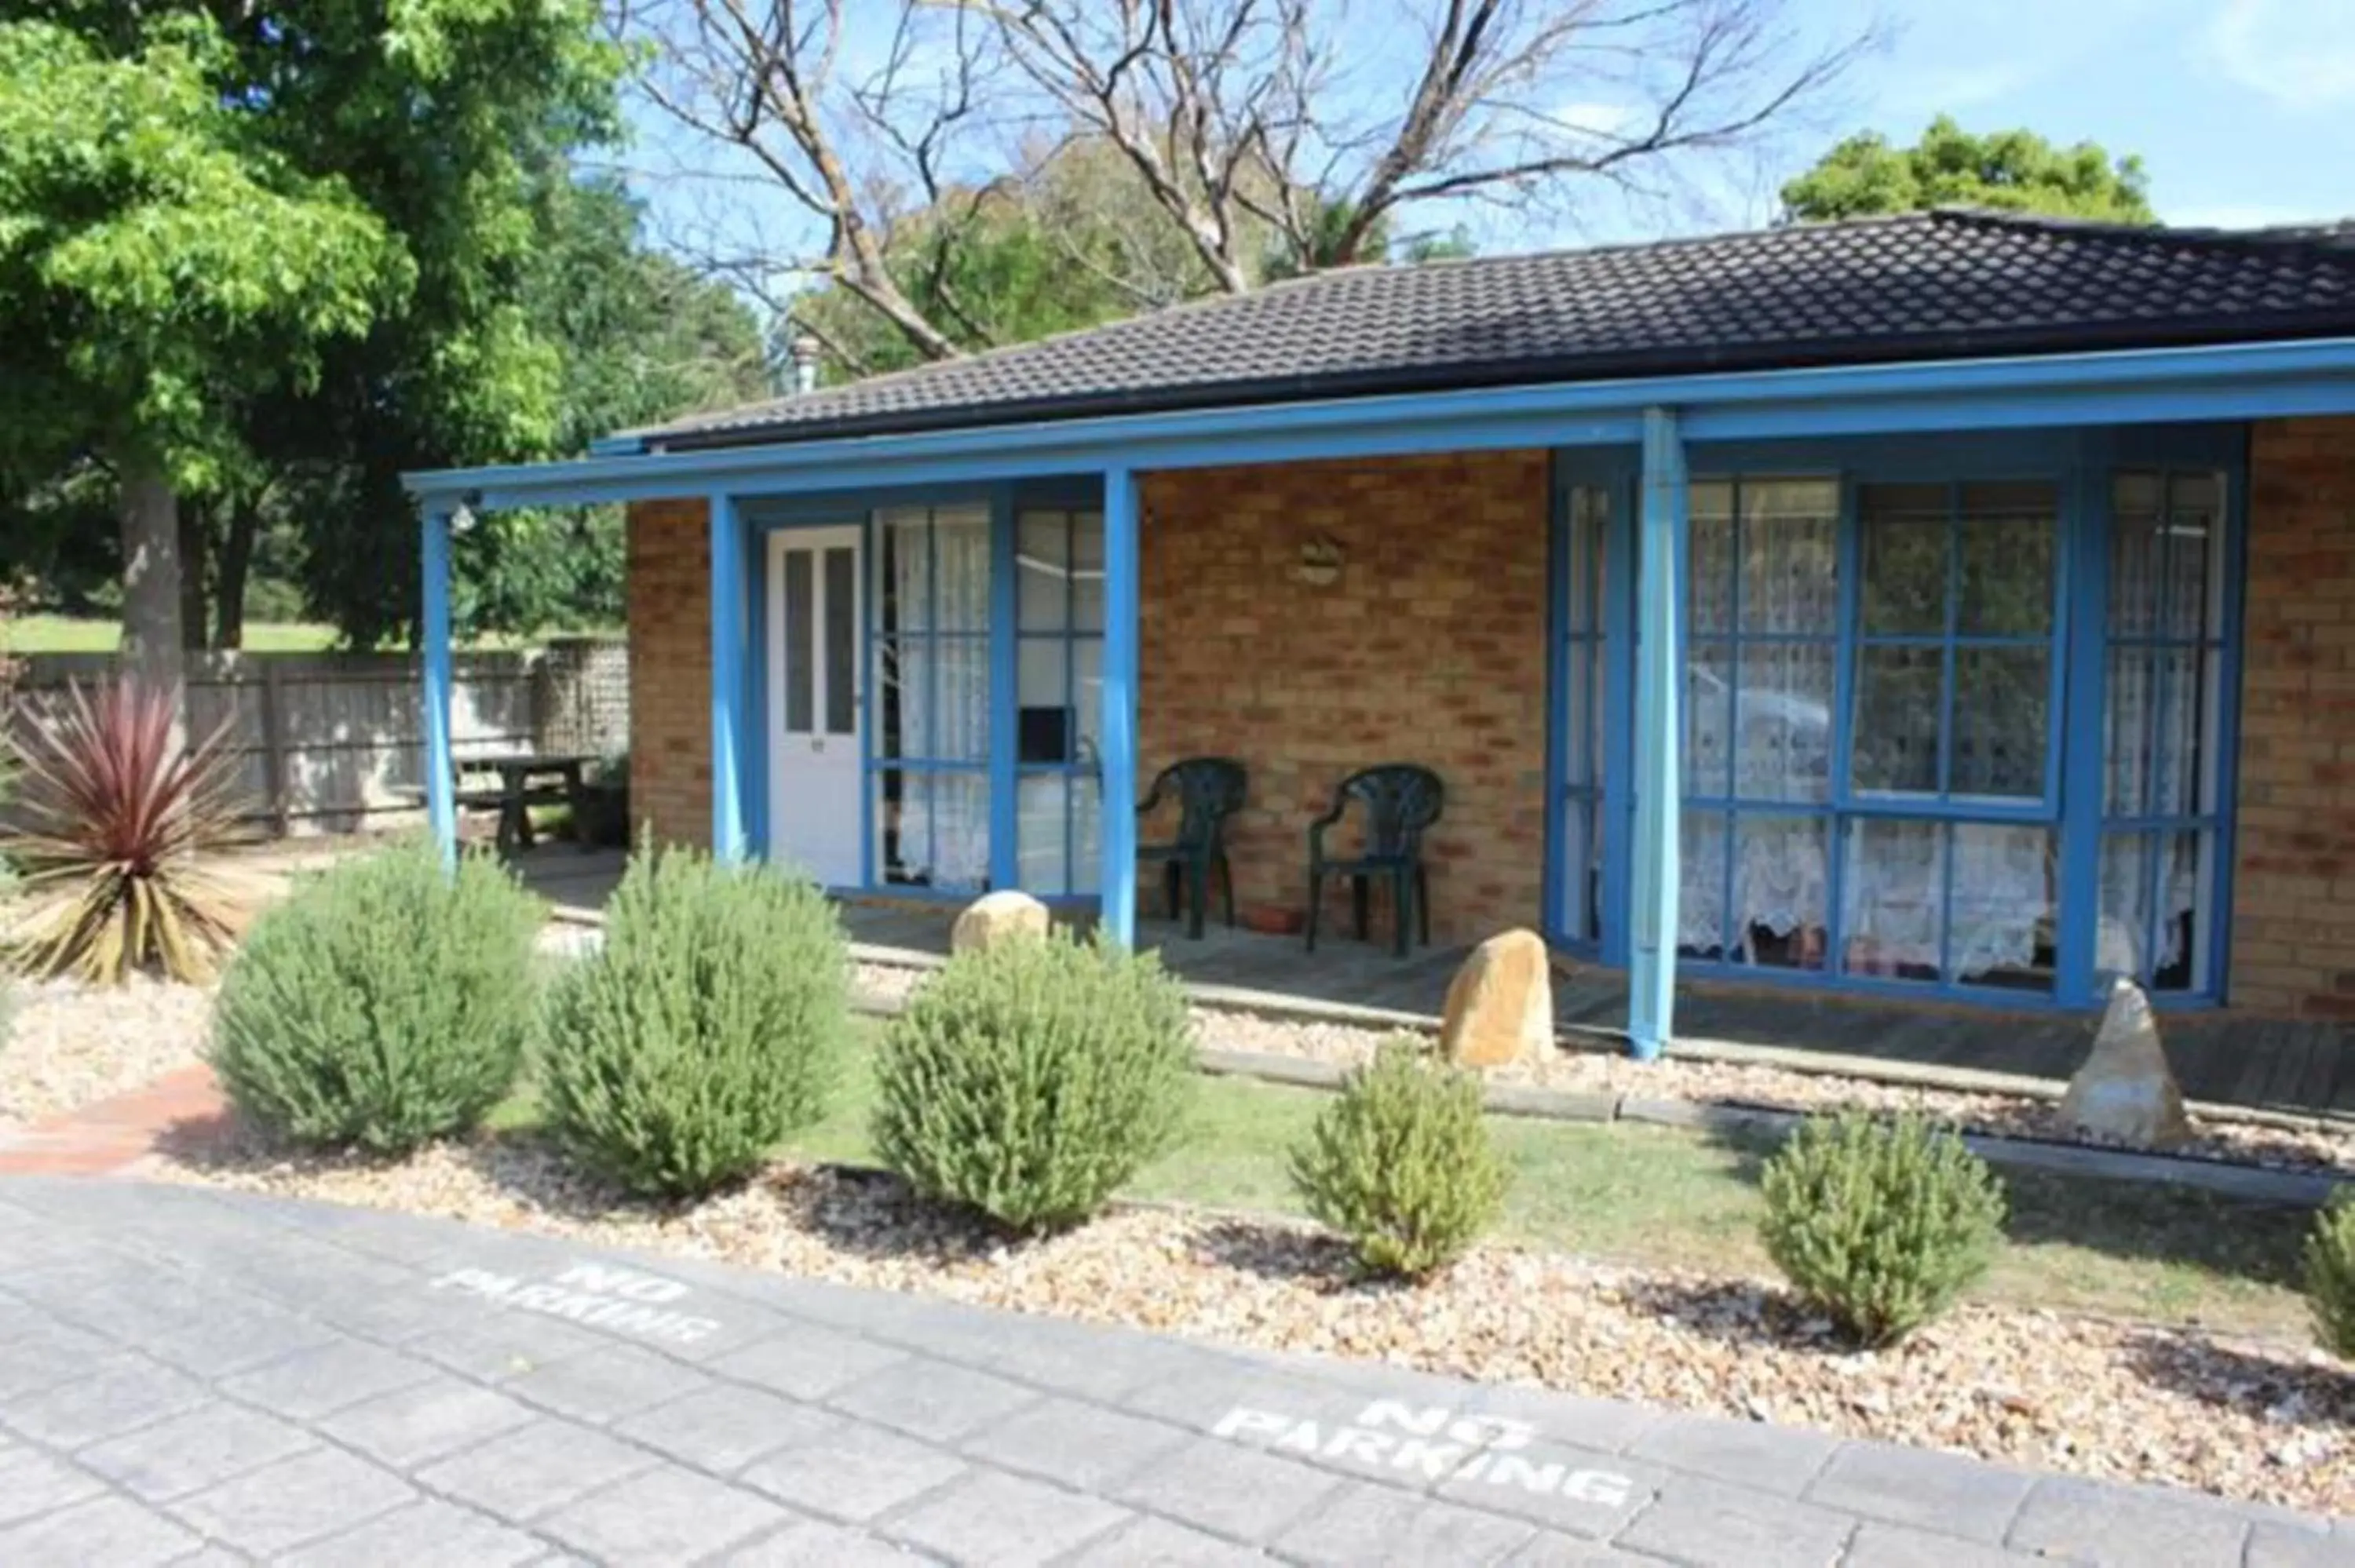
(2298, 53)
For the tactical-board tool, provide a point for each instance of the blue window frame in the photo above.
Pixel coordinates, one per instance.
(928, 759)
(1059, 571)
(1884, 641)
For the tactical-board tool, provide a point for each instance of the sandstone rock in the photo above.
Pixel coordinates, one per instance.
(2125, 1092)
(994, 917)
(1500, 1004)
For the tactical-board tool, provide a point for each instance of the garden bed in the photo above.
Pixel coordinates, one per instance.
(2245, 1417)
(64, 1045)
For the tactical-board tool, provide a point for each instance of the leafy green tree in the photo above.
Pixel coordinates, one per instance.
(2015, 171)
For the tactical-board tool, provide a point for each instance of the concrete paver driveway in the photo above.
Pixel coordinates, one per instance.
(198, 1377)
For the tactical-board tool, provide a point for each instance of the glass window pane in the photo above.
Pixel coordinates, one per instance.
(1905, 558)
(1043, 682)
(2194, 607)
(1790, 556)
(1892, 900)
(961, 562)
(2137, 524)
(1087, 571)
(1709, 559)
(1087, 832)
(2123, 938)
(956, 678)
(1087, 697)
(2129, 729)
(1782, 880)
(1709, 719)
(2176, 773)
(1783, 736)
(1043, 563)
(1577, 720)
(2186, 892)
(1579, 870)
(1896, 744)
(841, 641)
(798, 635)
(2009, 537)
(899, 723)
(1043, 804)
(2001, 702)
(1701, 885)
(903, 570)
(1589, 510)
(2001, 928)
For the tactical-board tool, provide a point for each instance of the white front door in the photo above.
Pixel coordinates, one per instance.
(814, 645)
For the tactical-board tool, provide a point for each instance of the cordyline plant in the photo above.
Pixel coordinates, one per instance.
(120, 816)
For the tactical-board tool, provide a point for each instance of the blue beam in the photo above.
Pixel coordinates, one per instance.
(728, 652)
(1652, 978)
(1117, 880)
(2227, 382)
(433, 635)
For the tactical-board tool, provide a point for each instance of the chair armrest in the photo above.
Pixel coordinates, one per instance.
(1316, 829)
(1152, 798)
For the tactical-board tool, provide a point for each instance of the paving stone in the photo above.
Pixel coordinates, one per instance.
(296, 1501)
(1158, 1543)
(990, 1520)
(2129, 1527)
(1747, 1453)
(1560, 1488)
(230, 1335)
(1200, 1395)
(937, 1400)
(535, 1468)
(2287, 1546)
(109, 1530)
(723, 1427)
(808, 1363)
(660, 1516)
(604, 1385)
(1369, 1524)
(1081, 1446)
(201, 1448)
(116, 1397)
(32, 1483)
(501, 1345)
(43, 1352)
(1551, 1550)
(814, 1543)
(1900, 1546)
(331, 1377)
(427, 1531)
(1236, 1492)
(1945, 1492)
(852, 1471)
(1600, 1426)
(420, 1424)
(1711, 1525)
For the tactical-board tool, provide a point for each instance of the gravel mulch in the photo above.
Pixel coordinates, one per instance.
(67, 1045)
(2313, 1147)
(2242, 1419)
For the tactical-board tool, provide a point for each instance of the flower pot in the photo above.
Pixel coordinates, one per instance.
(1273, 919)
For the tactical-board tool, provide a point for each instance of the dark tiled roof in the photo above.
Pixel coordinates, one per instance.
(1925, 285)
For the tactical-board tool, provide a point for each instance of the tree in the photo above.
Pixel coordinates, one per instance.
(263, 254)
(158, 262)
(2015, 171)
(1275, 136)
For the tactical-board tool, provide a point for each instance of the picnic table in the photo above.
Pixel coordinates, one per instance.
(526, 778)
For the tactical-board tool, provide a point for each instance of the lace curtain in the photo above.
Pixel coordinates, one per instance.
(940, 583)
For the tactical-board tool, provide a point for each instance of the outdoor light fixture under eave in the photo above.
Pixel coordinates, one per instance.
(1321, 560)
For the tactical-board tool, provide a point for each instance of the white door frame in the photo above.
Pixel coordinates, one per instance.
(816, 776)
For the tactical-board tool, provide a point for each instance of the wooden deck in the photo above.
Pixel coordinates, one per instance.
(2262, 1063)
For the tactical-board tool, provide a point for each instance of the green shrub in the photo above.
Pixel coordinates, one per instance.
(1880, 1225)
(1030, 1079)
(2330, 1274)
(707, 1028)
(1400, 1162)
(384, 1003)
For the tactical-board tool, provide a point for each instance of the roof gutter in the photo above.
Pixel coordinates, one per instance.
(2241, 380)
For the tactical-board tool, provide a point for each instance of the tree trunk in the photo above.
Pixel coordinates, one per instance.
(150, 518)
(236, 566)
(194, 613)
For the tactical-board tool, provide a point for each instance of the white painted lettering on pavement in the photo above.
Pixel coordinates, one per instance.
(599, 1295)
(1429, 1443)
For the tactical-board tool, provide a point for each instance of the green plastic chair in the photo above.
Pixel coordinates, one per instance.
(1208, 789)
(1400, 801)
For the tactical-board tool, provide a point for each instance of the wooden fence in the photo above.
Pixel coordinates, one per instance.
(334, 741)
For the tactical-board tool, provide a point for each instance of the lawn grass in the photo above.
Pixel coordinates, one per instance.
(67, 634)
(1664, 1197)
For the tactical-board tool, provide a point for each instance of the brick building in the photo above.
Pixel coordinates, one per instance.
(2003, 569)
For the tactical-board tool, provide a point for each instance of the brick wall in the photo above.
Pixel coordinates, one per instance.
(2293, 888)
(1431, 648)
(668, 596)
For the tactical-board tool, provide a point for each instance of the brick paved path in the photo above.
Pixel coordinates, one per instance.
(196, 1377)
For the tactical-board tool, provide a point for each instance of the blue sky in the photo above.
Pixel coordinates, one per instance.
(2244, 111)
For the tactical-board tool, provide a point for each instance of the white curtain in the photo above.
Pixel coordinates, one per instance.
(941, 588)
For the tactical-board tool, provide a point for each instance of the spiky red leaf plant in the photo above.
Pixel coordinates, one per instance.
(123, 823)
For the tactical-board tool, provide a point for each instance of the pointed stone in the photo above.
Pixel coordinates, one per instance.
(1500, 1004)
(2126, 1093)
(995, 917)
